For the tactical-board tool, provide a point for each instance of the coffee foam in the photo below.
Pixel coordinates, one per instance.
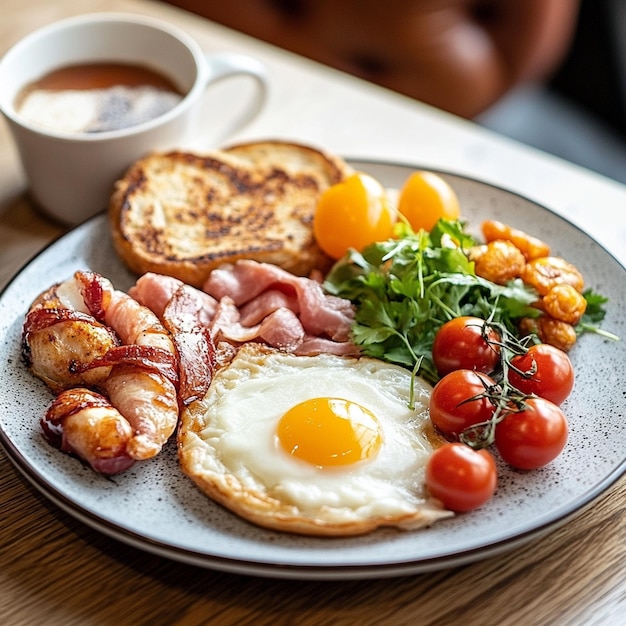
(95, 110)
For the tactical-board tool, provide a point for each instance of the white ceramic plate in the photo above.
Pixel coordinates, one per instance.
(154, 507)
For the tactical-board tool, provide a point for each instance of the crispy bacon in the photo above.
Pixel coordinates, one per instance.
(84, 423)
(95, 291)
(186, 313)
(40, 319)
(147, 357)
(57, 342)
(183, 317)
(84, 334)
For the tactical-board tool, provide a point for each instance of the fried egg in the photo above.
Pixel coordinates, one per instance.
(320, 445)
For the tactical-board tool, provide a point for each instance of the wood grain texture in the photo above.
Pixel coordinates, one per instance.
(54, 570)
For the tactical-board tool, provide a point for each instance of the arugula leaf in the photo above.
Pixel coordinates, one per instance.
(595, 312)
(593, 316)
(406, 288)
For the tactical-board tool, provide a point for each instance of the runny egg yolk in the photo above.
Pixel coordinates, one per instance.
(330, 432)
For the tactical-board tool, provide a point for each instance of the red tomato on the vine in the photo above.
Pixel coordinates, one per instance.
(548, 373)
(459, 401)
(533, 437)
(466, 343)
(462, 478)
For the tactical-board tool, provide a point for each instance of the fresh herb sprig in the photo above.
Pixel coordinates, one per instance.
(594, 315)
(406, 288)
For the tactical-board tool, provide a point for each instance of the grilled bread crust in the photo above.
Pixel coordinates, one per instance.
(184, 214)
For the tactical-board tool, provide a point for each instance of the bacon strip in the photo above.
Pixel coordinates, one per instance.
(95, 290)
(156, 290)
(248, 301)
(255, 310)
(319, 345)
(321, 314)
(280, 328)
(84, 423)
(147, 357)
(182, 316)
(39, 319)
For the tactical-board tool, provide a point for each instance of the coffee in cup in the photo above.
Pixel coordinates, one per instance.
(73, 157)
(96, 97)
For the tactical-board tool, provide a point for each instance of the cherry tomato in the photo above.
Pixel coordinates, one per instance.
(451, 408)
(534, 437)
(550, 373)
(461, 344)
(462, 478)
(425, 198)
(352, 214)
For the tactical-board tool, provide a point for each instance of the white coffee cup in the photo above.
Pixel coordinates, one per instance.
(71, 175)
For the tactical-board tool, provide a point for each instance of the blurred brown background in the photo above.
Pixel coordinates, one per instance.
(549, 73)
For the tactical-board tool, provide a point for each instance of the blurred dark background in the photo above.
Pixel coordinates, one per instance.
(599, 55)
(580, 112)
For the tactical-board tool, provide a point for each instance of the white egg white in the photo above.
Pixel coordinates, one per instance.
(229, 446)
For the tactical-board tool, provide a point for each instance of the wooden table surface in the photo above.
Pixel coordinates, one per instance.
(56, 570)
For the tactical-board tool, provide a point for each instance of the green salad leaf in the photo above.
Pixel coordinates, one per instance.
(594, 315)
(405, 289)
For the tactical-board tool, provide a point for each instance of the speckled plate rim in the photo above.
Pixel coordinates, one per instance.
(366, 560)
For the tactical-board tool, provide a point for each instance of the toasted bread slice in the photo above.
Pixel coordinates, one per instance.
(184, 214)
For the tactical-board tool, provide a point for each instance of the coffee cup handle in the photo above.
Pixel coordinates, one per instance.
(222, 65)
